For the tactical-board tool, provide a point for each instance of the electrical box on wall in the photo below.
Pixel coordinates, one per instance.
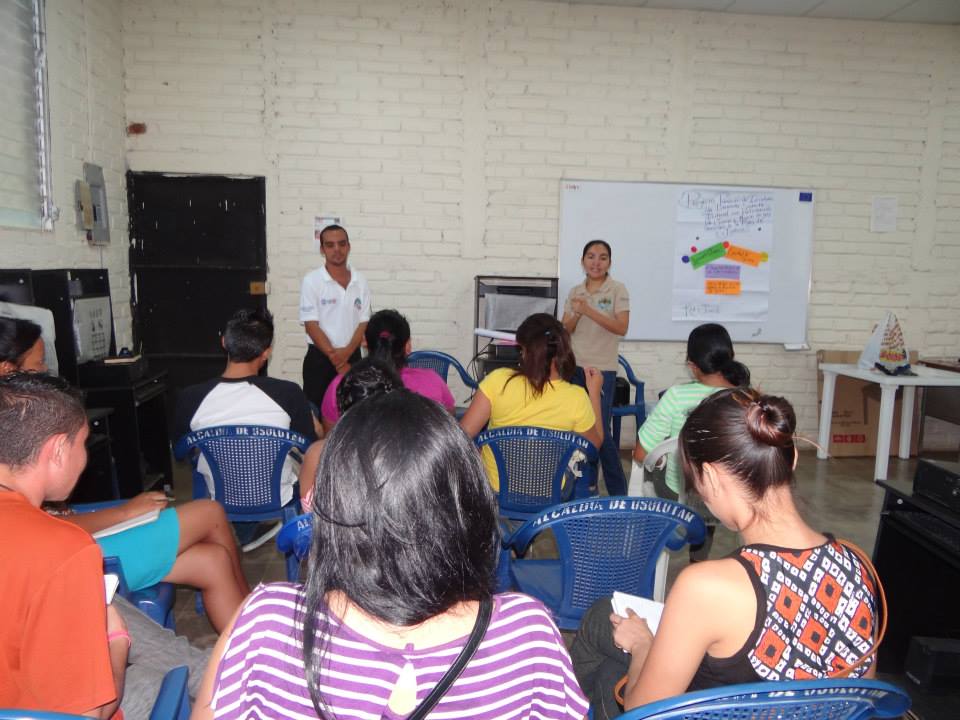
(92, 214)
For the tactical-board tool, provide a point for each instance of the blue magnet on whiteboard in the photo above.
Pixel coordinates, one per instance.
(806, 197)
(685, 258)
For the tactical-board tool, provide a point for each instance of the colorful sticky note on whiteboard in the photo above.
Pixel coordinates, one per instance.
(707, 255)
(722, 287)
(745, 256)
(722, 271)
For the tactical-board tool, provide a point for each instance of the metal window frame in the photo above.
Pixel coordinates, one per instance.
(49, 213)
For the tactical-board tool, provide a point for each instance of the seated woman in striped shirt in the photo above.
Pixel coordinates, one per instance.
(400, 574)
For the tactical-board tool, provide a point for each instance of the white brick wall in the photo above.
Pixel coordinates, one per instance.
(440, 131)
(85, 65)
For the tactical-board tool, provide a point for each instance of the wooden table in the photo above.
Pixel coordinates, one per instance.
(925, 377)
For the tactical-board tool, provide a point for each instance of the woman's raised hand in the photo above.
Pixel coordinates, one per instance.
(594, 380)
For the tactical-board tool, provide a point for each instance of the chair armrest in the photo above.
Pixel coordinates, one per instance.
(466, 378)
(296, 535)
(173, 702)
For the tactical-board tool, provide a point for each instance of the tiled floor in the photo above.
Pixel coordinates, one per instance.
(835, 495)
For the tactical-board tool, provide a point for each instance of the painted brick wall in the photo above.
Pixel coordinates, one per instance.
(85, 62)
(439, 131)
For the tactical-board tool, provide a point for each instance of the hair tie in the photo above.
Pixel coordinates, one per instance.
(386, 335)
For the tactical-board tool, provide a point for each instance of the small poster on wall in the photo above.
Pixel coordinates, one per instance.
(723, 251)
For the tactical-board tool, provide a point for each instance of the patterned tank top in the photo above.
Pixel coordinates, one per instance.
(815, 616)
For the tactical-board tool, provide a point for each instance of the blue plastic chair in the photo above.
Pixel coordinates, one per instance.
(533, 465)
(246, 463)
(156, 601)
(294, 542)
(637, 408)
(829, 699)
(172, 703)
(604, 544)
(173, 700)
(440, 363)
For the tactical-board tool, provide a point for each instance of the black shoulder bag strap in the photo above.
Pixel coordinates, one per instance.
(473, 642)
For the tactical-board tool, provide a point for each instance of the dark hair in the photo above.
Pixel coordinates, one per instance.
(33, 408)
(249, 334)
(16, 338)
(387, 335)
(328, 228)
(606, 246)
(710, 348)
(543, 339)
(749, 433)
(405, 521)
(365, 379)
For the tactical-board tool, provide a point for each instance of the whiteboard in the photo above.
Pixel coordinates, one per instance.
(691, 254)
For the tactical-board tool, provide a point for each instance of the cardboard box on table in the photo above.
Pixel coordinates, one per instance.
(856, 410)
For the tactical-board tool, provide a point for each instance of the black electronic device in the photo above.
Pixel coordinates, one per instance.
(939, 481)
(16, 287)
(501, 303)
(82, 315)
(113, 371)
(933, 663)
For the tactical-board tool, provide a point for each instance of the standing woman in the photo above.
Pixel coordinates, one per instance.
(596, 314)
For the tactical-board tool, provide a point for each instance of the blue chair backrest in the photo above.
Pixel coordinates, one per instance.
(172, 703)
(829, 699)
(246, 462)
(532, 464)
(608, 544)
(173, 700)
(296, 535)
(632, 379)
(440, 363)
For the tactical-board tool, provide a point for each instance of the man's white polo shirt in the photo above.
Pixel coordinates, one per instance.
(338, 310)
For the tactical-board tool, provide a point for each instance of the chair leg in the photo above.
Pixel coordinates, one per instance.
(616, 431)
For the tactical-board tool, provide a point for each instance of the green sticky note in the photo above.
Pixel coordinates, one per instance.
(707, 255)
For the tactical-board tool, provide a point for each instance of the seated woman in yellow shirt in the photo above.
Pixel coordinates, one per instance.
(539, 392)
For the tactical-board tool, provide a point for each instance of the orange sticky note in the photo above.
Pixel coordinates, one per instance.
(722, 287)
(742, 255)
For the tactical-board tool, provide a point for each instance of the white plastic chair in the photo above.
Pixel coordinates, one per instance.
(642, 486)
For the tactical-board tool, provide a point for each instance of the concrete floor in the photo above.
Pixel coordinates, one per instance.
(835, 495)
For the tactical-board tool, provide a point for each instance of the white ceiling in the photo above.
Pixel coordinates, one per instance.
(918, 11)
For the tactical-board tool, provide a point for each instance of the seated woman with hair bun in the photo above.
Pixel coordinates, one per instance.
(710, 362)
(387, 337)
(539, 392)
(399, 579)
(792, 603)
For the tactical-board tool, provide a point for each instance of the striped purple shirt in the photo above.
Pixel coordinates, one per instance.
(520, 670)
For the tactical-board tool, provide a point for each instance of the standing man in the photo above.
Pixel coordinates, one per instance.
(334, 309)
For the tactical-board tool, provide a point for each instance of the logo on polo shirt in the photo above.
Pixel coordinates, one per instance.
(357, 304)
(604, 304)
(325, 301)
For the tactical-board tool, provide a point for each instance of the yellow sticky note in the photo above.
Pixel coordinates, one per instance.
(742, 255)
(722, 287)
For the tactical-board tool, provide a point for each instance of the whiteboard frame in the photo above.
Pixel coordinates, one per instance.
(652, 204)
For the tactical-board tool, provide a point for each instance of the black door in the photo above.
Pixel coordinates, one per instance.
(197, 254)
